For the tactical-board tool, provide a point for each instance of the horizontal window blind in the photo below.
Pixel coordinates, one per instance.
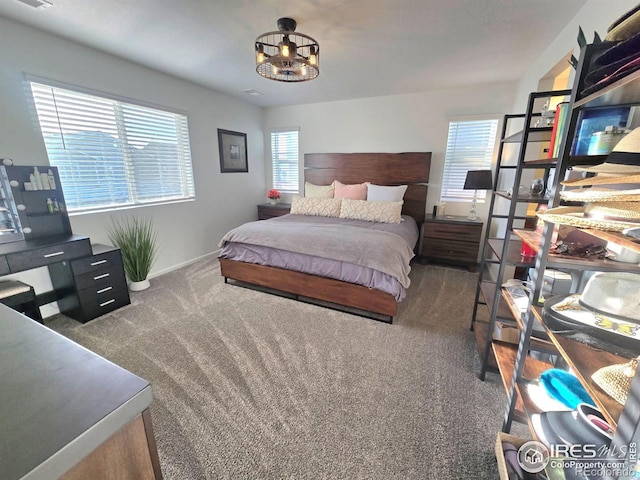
(112, 154)
(285, 160)
(470, 146)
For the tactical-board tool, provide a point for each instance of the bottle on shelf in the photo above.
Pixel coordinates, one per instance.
(38, 179)
(50, 206)
(52, 180)
(44, 180)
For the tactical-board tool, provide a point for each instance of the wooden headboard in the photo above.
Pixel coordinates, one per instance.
(410, 169)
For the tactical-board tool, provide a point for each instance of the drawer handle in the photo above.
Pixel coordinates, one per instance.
(104, 304)
(104, 275)
(55, 254)
(93, 264)
(104, 290)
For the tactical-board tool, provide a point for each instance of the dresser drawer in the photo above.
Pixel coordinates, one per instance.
(470, 233)
(96, 263)
(105, 303)
(451, 250)
(40, 257)
(113, 276)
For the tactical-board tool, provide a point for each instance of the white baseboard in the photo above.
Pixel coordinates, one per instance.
(184, 264)
(52, 309)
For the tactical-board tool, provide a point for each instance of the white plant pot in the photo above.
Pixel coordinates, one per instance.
(139, 286)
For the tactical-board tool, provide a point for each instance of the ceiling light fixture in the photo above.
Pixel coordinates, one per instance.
(287, 56)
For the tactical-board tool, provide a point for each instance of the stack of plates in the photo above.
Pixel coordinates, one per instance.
(583, 426)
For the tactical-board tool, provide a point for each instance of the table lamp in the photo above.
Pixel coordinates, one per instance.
(477, 180)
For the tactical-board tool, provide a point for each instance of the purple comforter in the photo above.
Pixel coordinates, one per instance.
(375, 255)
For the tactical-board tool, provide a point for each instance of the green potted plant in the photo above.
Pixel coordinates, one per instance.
(137, 241)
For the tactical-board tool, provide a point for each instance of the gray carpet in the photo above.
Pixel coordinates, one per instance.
(253, 386)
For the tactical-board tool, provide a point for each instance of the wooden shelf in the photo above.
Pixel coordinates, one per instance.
(541, 163)
(537, 343)
(506, 358)
(481, 329)
(530, 237)
(615, 237)
(488, 290)
(586, 159)
(625, 91)
(533, 239)
(584, 360)
(513, 253)
(542, 134)
(525, 198)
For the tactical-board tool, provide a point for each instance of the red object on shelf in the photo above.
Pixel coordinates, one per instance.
(527, 251)
(553, 133)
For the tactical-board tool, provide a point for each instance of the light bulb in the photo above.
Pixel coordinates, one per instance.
(260, 54)
(313, 58)
(303, 70)
(284, 46)
(275, 70)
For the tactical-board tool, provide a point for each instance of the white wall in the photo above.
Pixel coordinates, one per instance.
(399, 123)
(595, 16)
(186, 230)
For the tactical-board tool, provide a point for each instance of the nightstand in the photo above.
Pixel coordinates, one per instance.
(266, 210)
(451, 239)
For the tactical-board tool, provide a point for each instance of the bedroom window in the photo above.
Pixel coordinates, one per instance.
(113, 154)
(470, 146)
(285, 160)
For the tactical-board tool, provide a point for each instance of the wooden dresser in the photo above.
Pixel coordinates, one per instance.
(267, 210)
(451, 239)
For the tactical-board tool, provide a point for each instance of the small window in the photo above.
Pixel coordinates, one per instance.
(470, 146)
(113, 154)
(285, 160)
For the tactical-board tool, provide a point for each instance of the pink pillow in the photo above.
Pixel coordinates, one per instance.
(357, 191)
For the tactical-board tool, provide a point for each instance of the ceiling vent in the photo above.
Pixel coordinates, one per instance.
(37, 3)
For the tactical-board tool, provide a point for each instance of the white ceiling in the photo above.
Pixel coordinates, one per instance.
(368, 47)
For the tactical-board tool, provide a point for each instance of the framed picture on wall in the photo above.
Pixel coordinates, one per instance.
(233, 151)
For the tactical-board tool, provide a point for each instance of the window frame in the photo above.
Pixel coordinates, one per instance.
(463, 196)
(271, 170)
(186, 165)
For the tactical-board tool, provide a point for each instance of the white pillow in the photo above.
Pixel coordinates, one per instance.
(319, 207)
(383, 212)
(380, 193)
(318, 191)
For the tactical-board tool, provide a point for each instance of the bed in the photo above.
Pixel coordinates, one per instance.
(375, 289)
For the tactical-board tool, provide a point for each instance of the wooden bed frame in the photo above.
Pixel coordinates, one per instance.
(410, 169)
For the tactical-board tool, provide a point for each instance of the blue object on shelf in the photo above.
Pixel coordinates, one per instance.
(565, 387)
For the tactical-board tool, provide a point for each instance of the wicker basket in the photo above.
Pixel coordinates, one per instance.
(502, 464)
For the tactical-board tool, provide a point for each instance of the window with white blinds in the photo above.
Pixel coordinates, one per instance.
(470, 146)
(285, 160)
(112, 154)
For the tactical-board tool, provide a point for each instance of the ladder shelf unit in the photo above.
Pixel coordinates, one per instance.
(516, 364)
